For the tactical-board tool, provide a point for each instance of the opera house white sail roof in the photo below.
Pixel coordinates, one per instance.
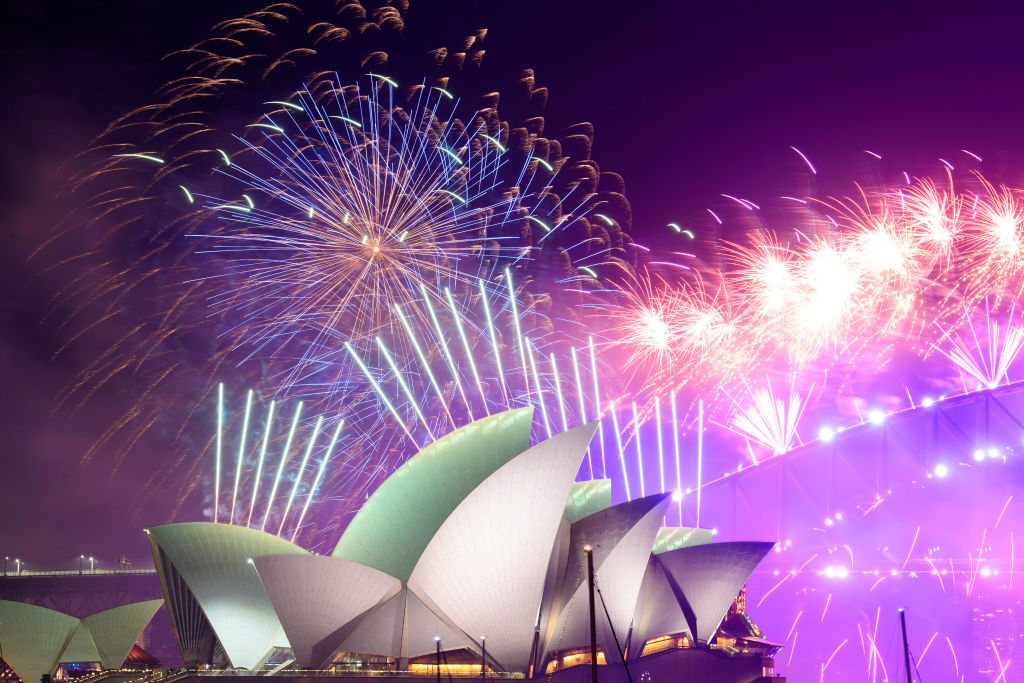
(35, 640)
(478, 535)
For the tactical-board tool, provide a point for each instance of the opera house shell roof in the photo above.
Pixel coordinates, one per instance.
(480, 535)
(35, 640)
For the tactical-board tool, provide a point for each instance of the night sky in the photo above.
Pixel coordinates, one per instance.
(689, 101)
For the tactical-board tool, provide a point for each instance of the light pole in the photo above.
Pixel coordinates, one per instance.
(92, 564)
(17, 563)
(437, 640)
(81, 558)
(589, 550)
(906, 648)
(483, 658)
(5, 564)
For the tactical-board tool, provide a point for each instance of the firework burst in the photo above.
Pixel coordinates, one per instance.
(212, 246)
(836, 298)
(768, 419)
(986, 358)
(359, 208)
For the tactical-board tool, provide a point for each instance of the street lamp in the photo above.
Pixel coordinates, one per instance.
(589, 550)
(437, 641)
(18, 564)
(81, 558)
(92, 563)
(483, 658)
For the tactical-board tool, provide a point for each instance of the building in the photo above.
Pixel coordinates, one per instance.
(36, 640)
(469, 555)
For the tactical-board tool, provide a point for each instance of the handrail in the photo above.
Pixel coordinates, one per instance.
(74, 572)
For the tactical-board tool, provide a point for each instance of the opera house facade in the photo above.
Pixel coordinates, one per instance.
(469, 559)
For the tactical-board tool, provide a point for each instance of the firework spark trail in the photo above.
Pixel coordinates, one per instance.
(910, 550)
(796, 619)
(976, 564)
(920, 659)
(824, 667)
(700, 456)
(220, 441)
(877, 661)
(425, 365)
(445, 349)
(675, 452)
(537, 386)
(581, 396)
(280, 468)
(639, 450)
(380, 393)
(936, 573)
(241, 453)
(259, 465)
(466, 348)
(300, 473)
(1002, 667)
(558, 392)
(987, 362)
(661, 446)
(597, 405)
(494, 343)
(786, 578)
(519, 332)
(1002, 512)
(768, 420)
(413, 401)
(319, 477)
(618, 441)
(952, 652)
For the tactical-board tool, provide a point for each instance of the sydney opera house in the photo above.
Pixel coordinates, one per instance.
(35, 640)
(470, 559)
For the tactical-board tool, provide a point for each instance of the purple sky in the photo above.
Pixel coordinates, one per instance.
(689, 101)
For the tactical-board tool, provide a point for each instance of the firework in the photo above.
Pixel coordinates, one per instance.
(769, 420)
(832, 301)
(349, 230)
(347, 210)
(272, 204)
(986, 358)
